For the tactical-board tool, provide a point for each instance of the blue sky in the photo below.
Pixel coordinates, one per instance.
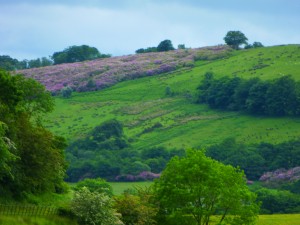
(37, 28)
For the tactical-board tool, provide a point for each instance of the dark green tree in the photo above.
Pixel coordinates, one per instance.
(77, 54)
(281, 97)
(235, 39)
(257, 44)
(35, 98)
(256, 101)
(181, 46)
(164, 46)
(34, 63)
(39, 164)
(8, 63)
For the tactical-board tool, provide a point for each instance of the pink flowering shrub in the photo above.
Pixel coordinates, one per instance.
(109, 71)
(143, 176)
(281, 175)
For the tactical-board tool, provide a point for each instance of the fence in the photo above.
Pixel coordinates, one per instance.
(27, 210)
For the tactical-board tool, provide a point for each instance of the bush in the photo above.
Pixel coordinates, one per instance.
(95, 185)
(66, 92)
(93, 208)
(276, 201)
(134, 210)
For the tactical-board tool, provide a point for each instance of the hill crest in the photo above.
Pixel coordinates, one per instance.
(101, 73)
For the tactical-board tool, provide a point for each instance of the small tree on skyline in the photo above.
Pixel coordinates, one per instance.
(164, 46)
(235, 39)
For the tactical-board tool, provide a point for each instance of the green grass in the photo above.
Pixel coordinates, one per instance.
(141, 103)
(26, 220)
(279, 219)
(120, 187)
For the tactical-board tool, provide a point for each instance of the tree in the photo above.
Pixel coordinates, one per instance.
(235, 39)
(135, 210)
(35, 98)
(31, 156)
(281, 97)
(93, 208)
(41, 167)
(200, 186)
(256, 100)
(164, 46)
(77, 54)
(8, 63)
(95, 185)
(6, 155)
(181, 46)
(257, 44)
(10, 95)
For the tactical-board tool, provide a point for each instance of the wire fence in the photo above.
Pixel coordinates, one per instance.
(27, 210)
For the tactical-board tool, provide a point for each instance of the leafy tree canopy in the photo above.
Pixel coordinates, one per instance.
(164, 46)
(235, 39)
(203, 187)
(77, 54)
(32, 158)
(93, 208)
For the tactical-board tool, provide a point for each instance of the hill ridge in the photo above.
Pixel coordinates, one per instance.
(101, 73)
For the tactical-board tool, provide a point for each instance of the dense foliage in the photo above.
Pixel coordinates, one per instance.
(9, 64)
(257, 159)
(201, 187)
(163, 46)
(255, 44)
(235, 39)
(77, 54)
(93, 208)
(95, 185)
(105, 152)
(279, 97)
(278, 201)
(136, 208)
(68, 55)
(32, 158)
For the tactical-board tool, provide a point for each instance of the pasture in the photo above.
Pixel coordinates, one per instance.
(141, 103)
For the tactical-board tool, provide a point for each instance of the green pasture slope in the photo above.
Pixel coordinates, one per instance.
(141, 103)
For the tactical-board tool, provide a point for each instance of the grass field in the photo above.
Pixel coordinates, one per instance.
(280, 219)
(120, 187)
(141, 103)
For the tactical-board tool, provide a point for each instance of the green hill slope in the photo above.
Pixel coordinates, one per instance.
(140, 104)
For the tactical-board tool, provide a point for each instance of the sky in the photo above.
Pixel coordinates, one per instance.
(31, 29)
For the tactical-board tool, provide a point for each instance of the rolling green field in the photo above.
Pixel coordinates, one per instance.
(141, 103)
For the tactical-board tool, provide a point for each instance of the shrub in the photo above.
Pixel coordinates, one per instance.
(93, 208)
(95, 185)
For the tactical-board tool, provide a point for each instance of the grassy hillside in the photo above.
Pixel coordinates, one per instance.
(142, 103)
